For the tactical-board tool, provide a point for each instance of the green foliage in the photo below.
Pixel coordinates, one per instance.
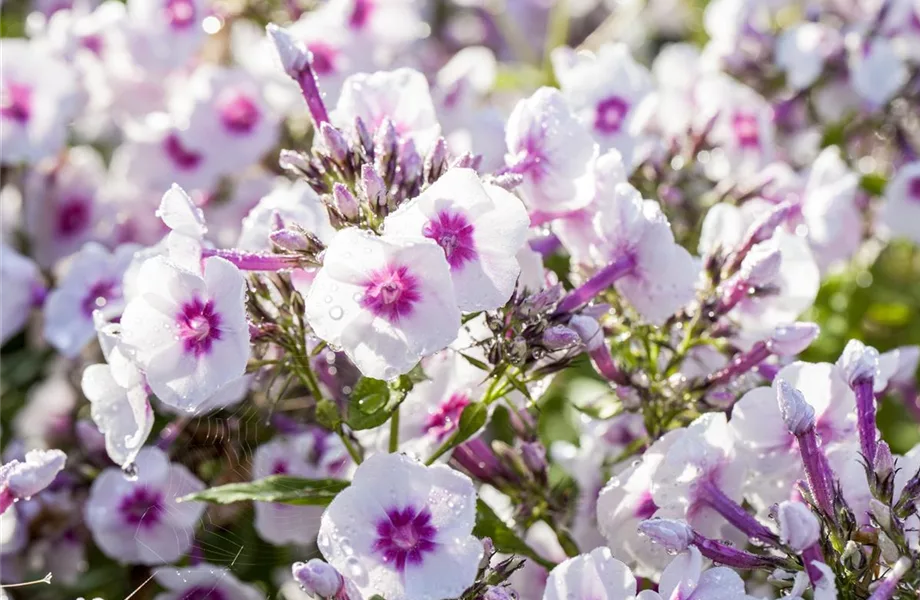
(277, 488)
(503, 537)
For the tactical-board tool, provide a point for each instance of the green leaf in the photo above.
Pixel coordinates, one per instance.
(475, 362)
(370, 404)
(503, 537)
(873, 183)
(472, 419)
(277, 488)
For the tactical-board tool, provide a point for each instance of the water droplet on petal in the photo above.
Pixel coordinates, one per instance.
(130, 471)
(336, 313)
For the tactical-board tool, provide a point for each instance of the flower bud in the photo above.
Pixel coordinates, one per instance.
(763, 229)
(880, 512)
(789, 340)
(761, 265)
(436, 161)
(534, 456)
(859, 362)
(410, 161)
(291, 160)
(499, 592)
(884, 461)
(334, 142)
(318, 578)
(372, 186)
(589, 330)
(345, 201)
(488, 550)
(294, 56)
(289, 239)
(799, 528)
(675, 536)
(559, 337)
(798, 414)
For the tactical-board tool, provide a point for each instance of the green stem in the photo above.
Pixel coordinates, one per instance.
(352, 451)
(394, 430)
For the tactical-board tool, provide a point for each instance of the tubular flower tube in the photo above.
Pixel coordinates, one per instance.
(799, 417)
(296, 61)
(599, 282)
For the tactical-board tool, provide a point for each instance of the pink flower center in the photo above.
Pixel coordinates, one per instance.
(199, 326)
(746, 130)
(610, 114)
(73, 216)
(324, 57)
(444, 421)
(454, 234)
(405, 536)
(391, 292)
(280, 468)
(180, 13)
(93, 43)
(361, 14)
(99, 295)
(913, 190)
(184, 159)
(239, 113)
(203, 593)
(142, 508)
(16, 101)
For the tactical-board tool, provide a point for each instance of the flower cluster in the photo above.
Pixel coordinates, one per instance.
(460, 300)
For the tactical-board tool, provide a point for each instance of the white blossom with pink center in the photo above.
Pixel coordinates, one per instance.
(404, 530)
(763, 440)
(605, 91)
(91, 281)
(228, 107)
(64, 210)
(313, 454)
(685, 579)
(22, 289)
(401, 96)
(385, 301)
(900, 213)
(166, 33)
(662, 275)
(203, 582)
(38, 98)
(141, 521)
(740, 124)
(187, 331)
(480, 227)
(553, 151)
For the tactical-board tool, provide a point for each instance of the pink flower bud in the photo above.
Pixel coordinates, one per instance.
(675, 536)
(789, 340)
(858, 361)
(318, 578)
(799, 528)
(345, 201)
(798, 414)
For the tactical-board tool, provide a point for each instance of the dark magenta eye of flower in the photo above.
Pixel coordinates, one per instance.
(239, 113)
(444, 421)
(73, 216)
(405, 536)
(361, 13)
(913, 189)
(454, 234)
(747, 131)
(203, 593)
(142, 508)
(391, 292)
(199, 326)
(183, 158)
(323, 59)
(99, 295)
(16, 101)
(610, 114)
(180, 13)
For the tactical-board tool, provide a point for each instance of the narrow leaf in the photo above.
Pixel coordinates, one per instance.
(277, 488)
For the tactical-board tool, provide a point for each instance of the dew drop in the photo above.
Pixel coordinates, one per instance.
(130, 471)
(327, 299)
(336, 313)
